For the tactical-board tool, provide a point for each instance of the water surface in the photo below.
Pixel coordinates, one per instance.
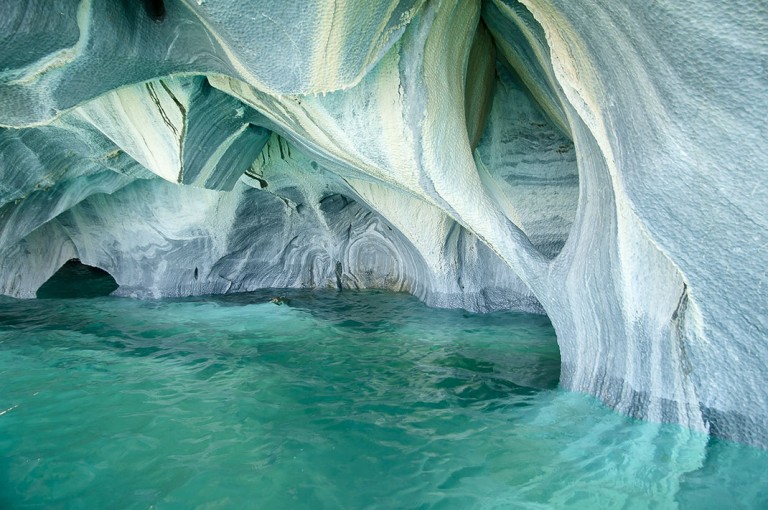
(332, 400)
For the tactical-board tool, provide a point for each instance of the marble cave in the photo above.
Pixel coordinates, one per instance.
(603, 163)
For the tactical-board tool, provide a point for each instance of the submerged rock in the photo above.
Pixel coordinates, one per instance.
(600, 163)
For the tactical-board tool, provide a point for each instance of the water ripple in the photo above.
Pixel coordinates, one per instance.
(337, 400)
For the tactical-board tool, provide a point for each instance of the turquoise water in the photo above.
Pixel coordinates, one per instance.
(334, 400)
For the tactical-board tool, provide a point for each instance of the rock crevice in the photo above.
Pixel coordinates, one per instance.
(600, 163)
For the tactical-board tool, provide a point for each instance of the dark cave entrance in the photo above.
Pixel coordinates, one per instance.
(77, 280)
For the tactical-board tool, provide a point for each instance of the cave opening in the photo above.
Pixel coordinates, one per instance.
(526, 156)
(77, 280)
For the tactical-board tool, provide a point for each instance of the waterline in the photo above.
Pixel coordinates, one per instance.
(333, 400)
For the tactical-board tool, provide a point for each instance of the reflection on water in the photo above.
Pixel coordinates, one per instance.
(333, 400)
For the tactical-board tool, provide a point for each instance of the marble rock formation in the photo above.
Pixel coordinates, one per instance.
(602, 162)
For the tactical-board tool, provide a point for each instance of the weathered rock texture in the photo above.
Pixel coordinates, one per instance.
(600, 161)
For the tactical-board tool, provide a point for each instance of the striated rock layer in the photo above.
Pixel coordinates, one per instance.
(600, 163)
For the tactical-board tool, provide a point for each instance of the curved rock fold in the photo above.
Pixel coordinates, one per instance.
(600, 163)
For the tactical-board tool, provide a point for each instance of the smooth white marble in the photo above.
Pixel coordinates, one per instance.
(601, 162)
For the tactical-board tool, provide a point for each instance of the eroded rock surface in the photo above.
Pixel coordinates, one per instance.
(602, 163)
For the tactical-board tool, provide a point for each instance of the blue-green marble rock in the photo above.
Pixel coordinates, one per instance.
(600, 162)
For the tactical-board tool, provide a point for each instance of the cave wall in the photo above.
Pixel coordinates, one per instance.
(600, 163)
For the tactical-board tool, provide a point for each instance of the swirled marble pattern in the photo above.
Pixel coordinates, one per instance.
(602, 163)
